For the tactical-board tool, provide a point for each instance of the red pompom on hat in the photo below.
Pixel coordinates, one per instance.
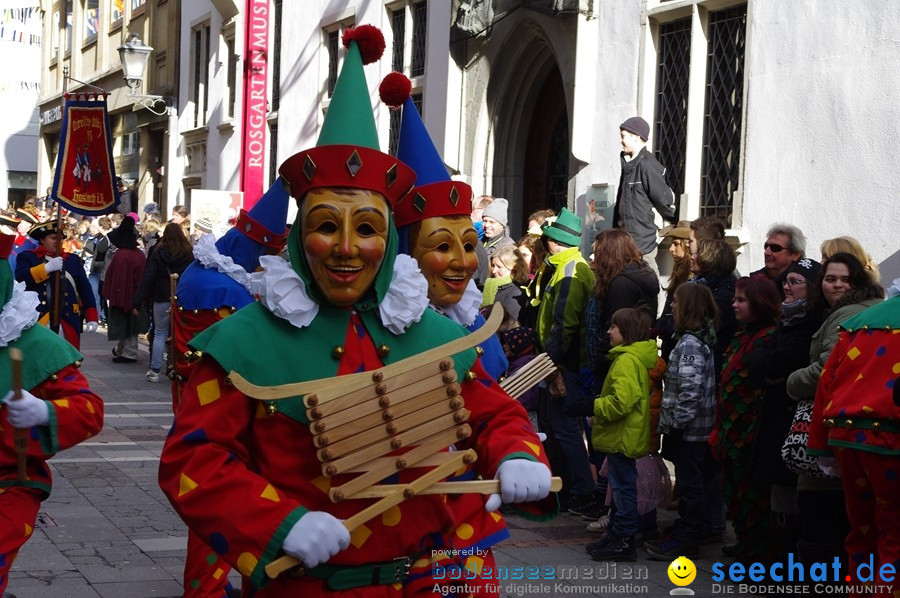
(395, 89)
(370, 40)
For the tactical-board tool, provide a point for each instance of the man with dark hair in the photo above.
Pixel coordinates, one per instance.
(642, 189)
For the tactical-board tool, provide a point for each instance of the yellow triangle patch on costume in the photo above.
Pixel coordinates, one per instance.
(359, 536)
(858, 378)
(853, 353)
(535, 448)
(185, 485)
(497, 516)
(64, 403)
(270, 493)
(90, 407)
(28, 530)
(867, 410)
(208, 391)
(864, 529)
(322, 483)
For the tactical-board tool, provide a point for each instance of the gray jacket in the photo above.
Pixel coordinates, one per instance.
(642, 188)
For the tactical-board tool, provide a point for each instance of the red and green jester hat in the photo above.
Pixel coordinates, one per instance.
(243, 474)
(57, 409)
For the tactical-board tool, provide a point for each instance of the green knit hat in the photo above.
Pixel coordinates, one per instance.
(566, 229)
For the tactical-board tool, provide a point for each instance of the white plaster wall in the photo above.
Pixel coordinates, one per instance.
(614, 91)
(223, 150)
(823, 122)
(19, 125)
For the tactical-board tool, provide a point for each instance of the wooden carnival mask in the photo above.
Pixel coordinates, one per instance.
(444, 247)
(344, 235)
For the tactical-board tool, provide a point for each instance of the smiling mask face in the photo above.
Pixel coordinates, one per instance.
(444, 247)
(345, 234)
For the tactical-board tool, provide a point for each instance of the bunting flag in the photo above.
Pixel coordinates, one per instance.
(85, 178)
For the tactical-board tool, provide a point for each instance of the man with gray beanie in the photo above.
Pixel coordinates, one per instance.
(494, 218)
(642, 188)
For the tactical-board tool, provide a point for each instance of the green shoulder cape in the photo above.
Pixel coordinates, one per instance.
(884, 316)
(267, 350)
(44, 353)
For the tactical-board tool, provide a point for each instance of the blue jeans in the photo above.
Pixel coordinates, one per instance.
(160, 334)
(94, 279)
(566, 432)
(622, 474)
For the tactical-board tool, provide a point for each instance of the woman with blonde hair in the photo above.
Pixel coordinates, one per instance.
(508, 272)
(854, 248)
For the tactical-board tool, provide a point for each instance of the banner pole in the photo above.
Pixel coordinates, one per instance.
(57, 276)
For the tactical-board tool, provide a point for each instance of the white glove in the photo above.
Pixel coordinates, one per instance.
(521, 480)
(316, 537)
(26, 412)
(829, 467)
(90, 326)
(54, 264)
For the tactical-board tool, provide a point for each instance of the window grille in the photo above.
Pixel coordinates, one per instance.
(273, 152)
(419, 19)
(394, 136)
(398, 25)
(672, 80)
(333, 37)
(720, 169)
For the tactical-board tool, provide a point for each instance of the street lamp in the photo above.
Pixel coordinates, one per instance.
(133, 55)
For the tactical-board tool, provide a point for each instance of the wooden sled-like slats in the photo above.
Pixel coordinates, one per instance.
(438, 372)
(331, 468)
(426, 454)
(382, 397)
(438, 401)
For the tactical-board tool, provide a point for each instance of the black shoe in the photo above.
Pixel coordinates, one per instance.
(672, 549)
(120, 359)
(618, 550)
(582, 504)
(596, 513)
(114, 352)
(603, 542)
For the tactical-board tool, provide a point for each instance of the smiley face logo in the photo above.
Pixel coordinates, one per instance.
(682, 571)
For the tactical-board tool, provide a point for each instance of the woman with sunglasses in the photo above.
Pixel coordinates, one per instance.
(844, 288)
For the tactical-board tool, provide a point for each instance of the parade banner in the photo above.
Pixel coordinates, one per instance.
(85, 178)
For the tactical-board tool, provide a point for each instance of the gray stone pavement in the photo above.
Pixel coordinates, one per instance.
(107, 530)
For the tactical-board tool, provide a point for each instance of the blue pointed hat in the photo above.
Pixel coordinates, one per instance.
(266, 222)
(435, 193)
(258, 231)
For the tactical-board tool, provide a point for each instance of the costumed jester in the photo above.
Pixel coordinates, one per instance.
(855, 431)
(35, 267)
(435, 225)
(213, 287)
(243, 473)
(57, 409)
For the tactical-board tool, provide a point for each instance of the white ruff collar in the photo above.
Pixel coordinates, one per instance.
(283, 292)
(19, 314)
(208, 255)
(468, 307)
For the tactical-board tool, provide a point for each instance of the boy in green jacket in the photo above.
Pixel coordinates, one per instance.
(621, 427)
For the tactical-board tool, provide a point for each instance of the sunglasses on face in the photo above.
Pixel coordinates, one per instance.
(774, 247)
(793, 283)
